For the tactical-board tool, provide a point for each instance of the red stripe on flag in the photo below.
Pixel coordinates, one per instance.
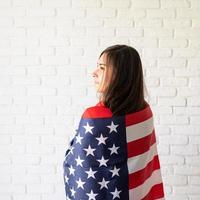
(137, 178)
(140, 116)
(141, 145)
(97, 112)
(156, 192)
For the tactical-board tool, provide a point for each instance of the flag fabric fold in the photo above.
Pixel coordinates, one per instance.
(113, 157)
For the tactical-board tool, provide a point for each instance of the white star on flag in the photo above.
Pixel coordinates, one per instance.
(73, 192)
(79, 161)
(71, 170)
(115, 171)
(66, 179)
(80, 183)
(92, 195)
(78, 139)
(104, 183)
(113, 149)
(91, 173)
(116, 193)
(103, 161)
(88, 128)
(113, 127)
(71, 149)
(89, 150)
(101, 139)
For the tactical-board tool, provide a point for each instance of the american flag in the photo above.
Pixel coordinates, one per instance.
(113, 157)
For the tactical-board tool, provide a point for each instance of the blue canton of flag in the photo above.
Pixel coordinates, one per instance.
(95, 165)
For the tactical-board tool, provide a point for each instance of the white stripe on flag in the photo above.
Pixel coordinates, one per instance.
(139, 162)
(142, 190)
(139, 130)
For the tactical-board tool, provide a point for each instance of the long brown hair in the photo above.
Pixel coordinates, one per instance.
(125, 92)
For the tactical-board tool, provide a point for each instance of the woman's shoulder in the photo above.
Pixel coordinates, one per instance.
(97, 111)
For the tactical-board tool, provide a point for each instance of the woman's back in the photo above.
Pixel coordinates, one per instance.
(113, 157)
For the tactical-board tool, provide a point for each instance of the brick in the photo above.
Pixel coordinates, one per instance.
(40, 32)
(186, 170)
(26, 160)
(184, 91)
(34, 130)
(25, 80)
(144, 42)
(195, 120)
(116, 4)
(176, 81)
(5, 22)
(149, 23)
(145, 4)
(158, 32)
(173, 43)
(180, 23)
(192, 160)
(86, 3)
(134, 13)
(162, 91)
(8, 188)
(44, 70)
(40, 90)
(187, 72)
(193, 101)
(155, 72)
(12, 11)
(187, 32)
(194, 180)
(68, 31)
(124, 31)
(27, 100)
(162, 110)
(70, 13)
(40, 188)
(58, 3)
(25, 139)
(156, 52)
(100, 31)
(187, 13)
(186, 189)
(101, 12)
(186, 130)
(24, 60)
(24, 3)
(26, 196)
(28, 22)
(40, 12)
(22, 42)
(174, 3)
(69, 50)
(89, 22)
(39, 170)
(173, 101)
(189, 53)
(176, 180)
(118, 23)
(168, 160)
(4, 160)
(173, 139)
(161, 13)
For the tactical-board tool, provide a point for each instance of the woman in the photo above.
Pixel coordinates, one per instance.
(114, 152)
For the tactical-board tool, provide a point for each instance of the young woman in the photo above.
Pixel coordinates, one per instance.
(114, 152)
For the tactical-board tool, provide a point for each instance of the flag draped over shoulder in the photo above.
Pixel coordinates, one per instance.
(113, 157)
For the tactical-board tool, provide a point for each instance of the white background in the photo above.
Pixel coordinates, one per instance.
(48, 49)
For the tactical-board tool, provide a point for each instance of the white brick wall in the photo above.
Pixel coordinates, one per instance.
(48, 50)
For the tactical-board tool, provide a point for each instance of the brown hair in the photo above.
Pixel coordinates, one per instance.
(125, 92)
